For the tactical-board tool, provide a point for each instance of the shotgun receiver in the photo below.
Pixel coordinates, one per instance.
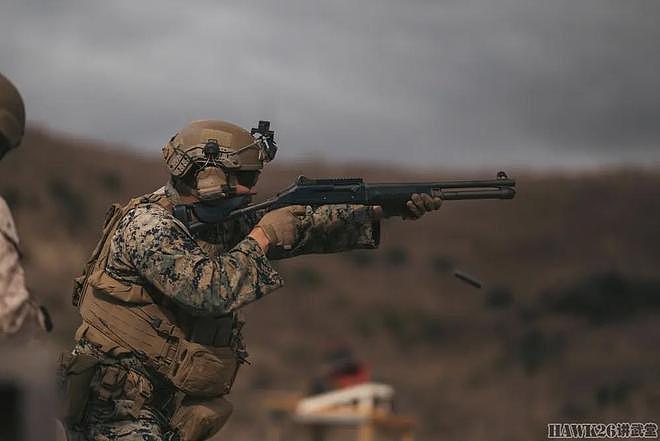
(316, 192)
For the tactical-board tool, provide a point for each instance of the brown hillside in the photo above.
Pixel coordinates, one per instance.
(566, 327)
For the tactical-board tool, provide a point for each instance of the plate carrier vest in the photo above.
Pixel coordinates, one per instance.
(198, 355)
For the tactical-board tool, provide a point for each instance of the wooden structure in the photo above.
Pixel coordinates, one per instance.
(365, 408)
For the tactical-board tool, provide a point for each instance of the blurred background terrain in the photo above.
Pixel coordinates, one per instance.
(565, 328)
(563, 95)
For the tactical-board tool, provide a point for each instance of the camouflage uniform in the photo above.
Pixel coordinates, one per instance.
(17, 311)
(216, 272)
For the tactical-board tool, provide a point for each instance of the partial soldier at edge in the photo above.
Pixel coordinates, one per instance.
(19, 314)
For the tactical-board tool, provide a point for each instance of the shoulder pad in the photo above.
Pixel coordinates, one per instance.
(7, 226)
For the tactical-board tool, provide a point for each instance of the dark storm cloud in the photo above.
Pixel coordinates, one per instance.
(459, 82)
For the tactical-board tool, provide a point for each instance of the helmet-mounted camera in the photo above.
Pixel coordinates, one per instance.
(267, 136)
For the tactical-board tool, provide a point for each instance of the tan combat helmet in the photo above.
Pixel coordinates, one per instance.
(12, 116)
(212, 157)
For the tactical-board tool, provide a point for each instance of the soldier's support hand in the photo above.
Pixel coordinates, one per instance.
(419, 204)
(279, 227)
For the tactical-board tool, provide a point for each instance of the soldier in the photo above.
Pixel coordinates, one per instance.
(160, 342)
(18, 312)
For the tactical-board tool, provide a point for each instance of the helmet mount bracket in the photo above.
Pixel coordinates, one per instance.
(268, 135)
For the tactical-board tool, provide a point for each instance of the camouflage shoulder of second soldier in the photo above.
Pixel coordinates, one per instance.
(7, 226)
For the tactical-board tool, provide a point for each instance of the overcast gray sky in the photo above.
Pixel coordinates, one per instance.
(454, 82)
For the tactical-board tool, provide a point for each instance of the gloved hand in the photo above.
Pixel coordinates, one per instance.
(281, 226)
(419, 204)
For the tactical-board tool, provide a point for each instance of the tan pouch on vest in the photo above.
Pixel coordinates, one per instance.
(134, 294)
(200, 420)
(197, 370)
(79, 372)
(205, 371)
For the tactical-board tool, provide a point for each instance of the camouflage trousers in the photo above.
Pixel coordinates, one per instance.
(105, 421)
(194, 421)
(128, 403)
(125, 402)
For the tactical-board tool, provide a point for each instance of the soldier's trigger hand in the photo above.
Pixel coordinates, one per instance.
(419, 204)
(281, 226)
